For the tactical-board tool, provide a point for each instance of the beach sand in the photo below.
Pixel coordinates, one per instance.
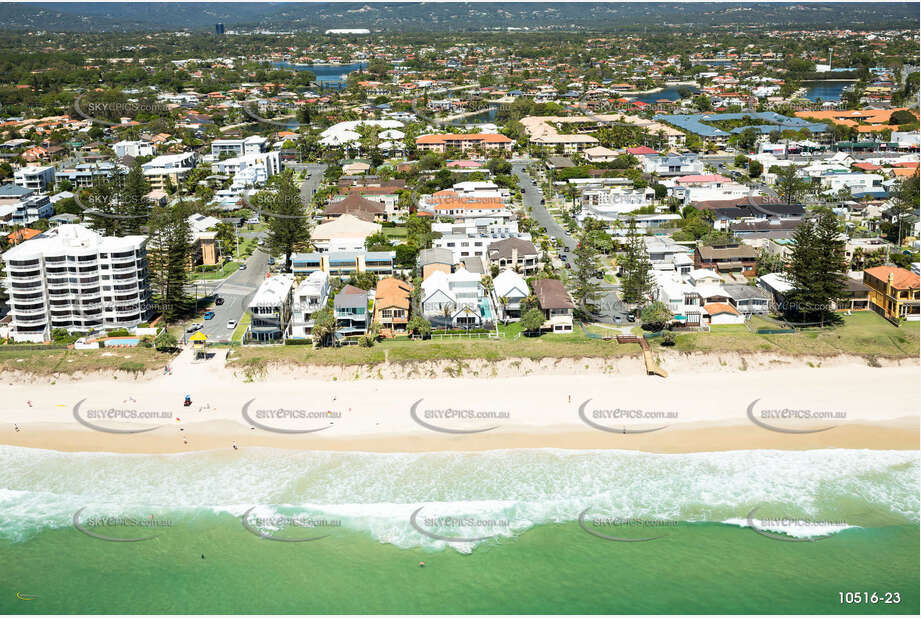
(691, 411)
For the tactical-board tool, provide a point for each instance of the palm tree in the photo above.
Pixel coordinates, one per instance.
(446, 310)
(503, 302)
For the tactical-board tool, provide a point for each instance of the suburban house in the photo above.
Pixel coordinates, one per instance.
(672, 165)
(392, 300)
(350, 306)
(464, 142)
(515, 253)
(137, 148)
(310, 296)
(747, 299)
(554, 301)
(509, 289)
(599, 154)
(723, 313)
(435, 260)
(270, 309)
(894, 292)
(738, 259)
(344, 233)
(357, 206)
(457, 298)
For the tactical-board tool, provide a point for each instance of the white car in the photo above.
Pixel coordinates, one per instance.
(231, 323)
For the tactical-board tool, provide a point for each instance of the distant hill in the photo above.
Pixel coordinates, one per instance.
(457, 17)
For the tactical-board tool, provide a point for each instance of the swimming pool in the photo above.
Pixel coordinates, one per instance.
(121, 341)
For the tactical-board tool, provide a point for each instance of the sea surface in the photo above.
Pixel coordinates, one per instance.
(517, 531)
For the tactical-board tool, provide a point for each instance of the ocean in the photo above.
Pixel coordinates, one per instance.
(516, 531)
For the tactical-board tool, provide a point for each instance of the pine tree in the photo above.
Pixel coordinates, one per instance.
(816, 269)
(169, 249)
(101, 207)
(288, 228)
(636, 282)
(134, 206)
(585, 291)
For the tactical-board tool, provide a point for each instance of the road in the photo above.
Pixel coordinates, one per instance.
(236, 290)
(313, 180)
(609, 306)
(531, 196)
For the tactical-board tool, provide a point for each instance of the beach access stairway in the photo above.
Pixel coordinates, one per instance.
(652, 367)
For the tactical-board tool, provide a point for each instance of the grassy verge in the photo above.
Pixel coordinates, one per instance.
(223, 273)
(47, 362)
(534, 348)
(240, 330)
(862, 334)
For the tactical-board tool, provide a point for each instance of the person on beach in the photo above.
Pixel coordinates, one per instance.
(29, 401)
(16, 427)
(235, 445)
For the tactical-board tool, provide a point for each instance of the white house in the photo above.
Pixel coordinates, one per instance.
(510, 287)
(672, 165)
(270, 308)
(35, 177)
(461, 293)
(310, 296)
(139, 148)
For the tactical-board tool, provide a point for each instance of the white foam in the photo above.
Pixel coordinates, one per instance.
(376, 493)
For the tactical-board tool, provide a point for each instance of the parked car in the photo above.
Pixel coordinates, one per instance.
(242, 266)
(563, 257)
(231, 323)
(271, 261)
(194, 327)
(218, 301)
(566, 249)
(208, 315)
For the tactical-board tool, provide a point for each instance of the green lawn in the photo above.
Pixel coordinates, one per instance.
(46, 362)
(398, 233)
(224, 272)
(574, 345)
(862, 334)
(240, 330)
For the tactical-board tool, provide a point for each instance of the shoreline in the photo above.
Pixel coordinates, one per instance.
(898, 435)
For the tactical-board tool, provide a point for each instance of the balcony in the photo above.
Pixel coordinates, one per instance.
(25, 320)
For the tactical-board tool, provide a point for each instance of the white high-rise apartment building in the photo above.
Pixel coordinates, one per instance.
(73, 278)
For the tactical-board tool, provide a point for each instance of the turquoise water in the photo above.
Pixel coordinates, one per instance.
(516, 543)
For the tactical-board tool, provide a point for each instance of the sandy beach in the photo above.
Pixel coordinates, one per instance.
(692, 411)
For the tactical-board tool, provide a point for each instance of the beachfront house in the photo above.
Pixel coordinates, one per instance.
(270, 309)
(392, 300)
(509, 289)
(894, 292)
(554, 301)
(350, 307)
(456, 299)
(310, 296)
